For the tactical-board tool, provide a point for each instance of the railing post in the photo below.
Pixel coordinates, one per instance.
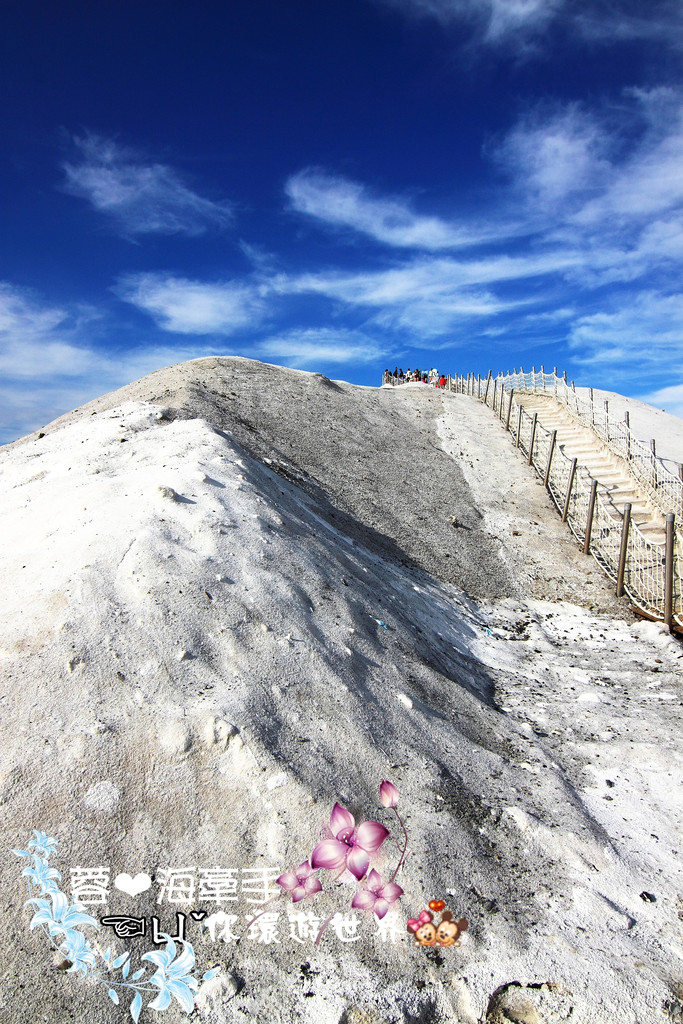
(589, 517)
(519, 426)
(488, 381)
(507, 421)
(590, 391)
(607, 419)
(495, 390)
(533, 437)
(449, 383)
(669, 572)
(623, 549)
(478, 385)
(653, 446)
(553, 438)
(502, 395)
(627, 418)
(570, 484)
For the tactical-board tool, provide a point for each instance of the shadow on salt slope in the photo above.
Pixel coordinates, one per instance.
(419, 618)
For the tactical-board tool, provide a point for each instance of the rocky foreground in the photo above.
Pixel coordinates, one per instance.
(235, 595)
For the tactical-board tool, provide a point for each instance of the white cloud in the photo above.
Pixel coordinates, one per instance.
(320, 345)
(141, 197)
(36, 340)
(194, 307)
(494, 20)
(659, 21)
(647, 184)
(508, 17)
(48, 365)
(555, 158)
(430, 295)
(343, 203)
(500, 22)
(669, 398)
(637, 338)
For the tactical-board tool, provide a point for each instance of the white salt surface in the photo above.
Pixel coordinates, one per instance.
(199, 658)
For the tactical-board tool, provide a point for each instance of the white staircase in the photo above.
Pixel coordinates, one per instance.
(616, 485)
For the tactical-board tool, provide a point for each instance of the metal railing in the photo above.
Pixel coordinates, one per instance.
(648, 571)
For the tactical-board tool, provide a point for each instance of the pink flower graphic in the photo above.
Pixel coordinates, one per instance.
(351, 847)
(377, 895)
(388, 794)
(299, 882)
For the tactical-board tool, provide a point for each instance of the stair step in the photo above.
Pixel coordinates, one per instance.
(616, 486)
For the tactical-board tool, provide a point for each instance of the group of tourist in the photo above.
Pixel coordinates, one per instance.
(415, 377)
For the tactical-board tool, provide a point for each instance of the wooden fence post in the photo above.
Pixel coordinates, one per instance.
(627, 418)
(653, 446)
(570, 484)
(553, 438)
(495, 389)
(533, 438)
(488, 381)
(519, 426)
(669, 572)
(589, 517)
(507, 421)
(623, 549)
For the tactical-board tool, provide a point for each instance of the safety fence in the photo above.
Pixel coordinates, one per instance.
(661, 479)
(648, 571)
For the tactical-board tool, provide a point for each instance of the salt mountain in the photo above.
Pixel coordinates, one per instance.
(235, 594)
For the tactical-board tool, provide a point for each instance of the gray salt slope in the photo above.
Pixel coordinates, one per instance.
(129, 522)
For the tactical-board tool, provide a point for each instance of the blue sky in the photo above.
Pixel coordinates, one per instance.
(339, 186)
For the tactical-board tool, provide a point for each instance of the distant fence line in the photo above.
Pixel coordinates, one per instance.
(649, 572)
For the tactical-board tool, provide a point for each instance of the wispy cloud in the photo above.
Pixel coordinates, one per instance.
(194, 307)
(49, 363)
(429, 295)
(555, 159)
(36, 339)
(341, 203)
(139, 196)
(670, 399)
(502, 22)
(601, 193)
(319, 345)
(661, 21)
(492, 20)
(635, 337)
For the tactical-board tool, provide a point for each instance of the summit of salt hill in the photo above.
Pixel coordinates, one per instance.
(236, 594)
